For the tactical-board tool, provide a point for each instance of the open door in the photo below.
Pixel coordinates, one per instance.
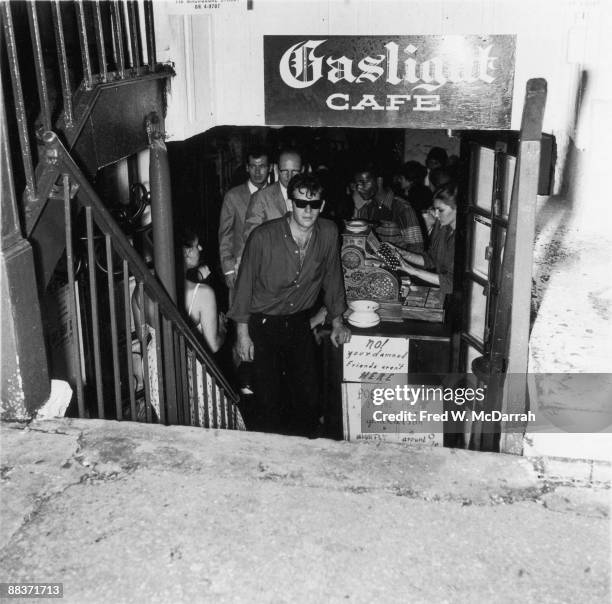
(492, 162)
(500, 229)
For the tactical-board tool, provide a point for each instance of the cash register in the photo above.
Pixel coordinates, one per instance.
(366, 275)
(370, 273)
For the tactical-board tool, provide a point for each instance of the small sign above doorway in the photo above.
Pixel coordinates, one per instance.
(462, 82)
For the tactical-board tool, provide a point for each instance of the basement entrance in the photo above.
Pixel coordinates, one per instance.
(484, 162)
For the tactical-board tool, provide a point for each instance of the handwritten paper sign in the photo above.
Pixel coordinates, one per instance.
(359, 425)
(375, 358)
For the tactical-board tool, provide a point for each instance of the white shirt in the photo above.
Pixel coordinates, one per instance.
(287, 202)
(252, 187)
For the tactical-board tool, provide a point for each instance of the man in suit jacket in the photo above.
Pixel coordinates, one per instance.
(233, 212)
(272, 202)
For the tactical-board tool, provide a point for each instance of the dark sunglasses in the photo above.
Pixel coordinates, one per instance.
(315, 204)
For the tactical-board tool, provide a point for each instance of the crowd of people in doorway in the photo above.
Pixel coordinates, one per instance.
(279, 251)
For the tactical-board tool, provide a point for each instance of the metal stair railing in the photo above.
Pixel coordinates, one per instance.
(182, 383)
(60, 54)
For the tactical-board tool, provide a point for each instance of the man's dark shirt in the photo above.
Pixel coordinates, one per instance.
(270, 280)
(386, 206)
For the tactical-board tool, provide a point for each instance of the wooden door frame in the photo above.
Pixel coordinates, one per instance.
(509, 343)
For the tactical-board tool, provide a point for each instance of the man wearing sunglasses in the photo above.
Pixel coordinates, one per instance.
(285, 265)
(273, 201)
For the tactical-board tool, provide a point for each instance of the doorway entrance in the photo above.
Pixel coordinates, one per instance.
(205, 167)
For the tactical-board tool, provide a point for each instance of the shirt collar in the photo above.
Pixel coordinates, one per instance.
(287, 217)
(252, 187)
(358, 200)
(288, 204)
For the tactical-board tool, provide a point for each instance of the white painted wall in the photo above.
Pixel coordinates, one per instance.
(573, 248)
(219, 56)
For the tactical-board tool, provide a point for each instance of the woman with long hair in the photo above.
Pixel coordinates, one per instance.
(201, 306)
(199, 297)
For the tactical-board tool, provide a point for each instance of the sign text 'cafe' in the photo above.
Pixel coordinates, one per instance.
(408, 81)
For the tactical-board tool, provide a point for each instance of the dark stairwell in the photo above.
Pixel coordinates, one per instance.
(84, 95)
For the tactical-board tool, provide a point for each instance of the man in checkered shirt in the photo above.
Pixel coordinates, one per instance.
(376, 204)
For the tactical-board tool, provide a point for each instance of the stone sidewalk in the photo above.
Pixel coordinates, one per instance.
(123, 512)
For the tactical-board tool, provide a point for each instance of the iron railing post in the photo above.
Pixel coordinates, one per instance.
(25, 375)
(163, 246)
(39, 66)
(62, 61)
(161, 206)
(84, 40)
(20, 106)
(150, 34)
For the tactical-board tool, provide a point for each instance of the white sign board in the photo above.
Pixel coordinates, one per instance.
(358, 410)
(375, 358)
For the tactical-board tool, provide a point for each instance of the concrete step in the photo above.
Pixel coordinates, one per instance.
(128, 512)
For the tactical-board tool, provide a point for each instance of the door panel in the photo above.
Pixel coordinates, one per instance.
(485, 160)
(488, 201)
(481, 239)
(477, 316)
(508, 179)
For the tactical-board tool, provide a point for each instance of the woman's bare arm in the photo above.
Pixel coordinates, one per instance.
(205, 312)
(427, 276)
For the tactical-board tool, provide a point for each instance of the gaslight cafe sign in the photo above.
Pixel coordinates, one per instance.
(390, 81)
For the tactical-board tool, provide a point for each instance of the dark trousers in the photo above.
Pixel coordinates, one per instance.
(285, 376)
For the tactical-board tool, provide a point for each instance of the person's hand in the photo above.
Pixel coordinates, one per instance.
(319, 334)
(244, 346)
(319, 318)
(405, 266)
(340, 334)
(397, 251)
(230, 279)
(204, 272)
